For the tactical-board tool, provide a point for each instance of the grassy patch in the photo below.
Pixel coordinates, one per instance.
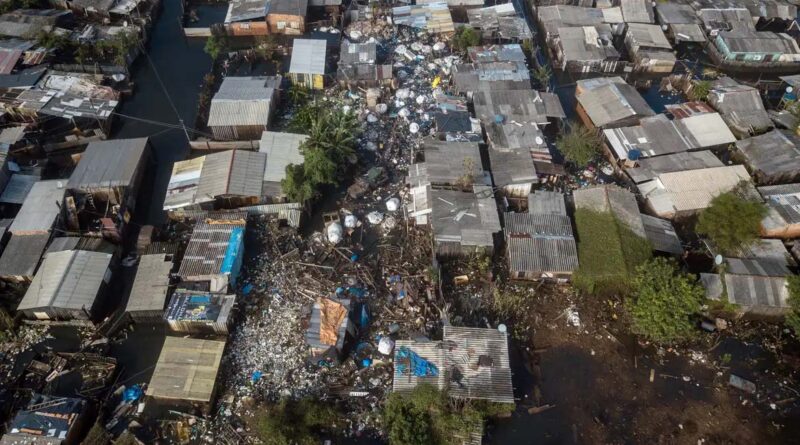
(608, 253)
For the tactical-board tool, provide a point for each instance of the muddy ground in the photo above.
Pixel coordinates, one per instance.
(598, 385)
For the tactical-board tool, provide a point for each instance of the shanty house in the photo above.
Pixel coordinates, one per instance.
(150, 288)
(772, 157)
(281, 150)
(681, 22)
(540, 243)
(623, 206)
(199, 312)
(511, 52)
(464, 222)
(740, 106)
(358, 65)
(659, 135)
(109, 173)
(517, 107)
(757, 47)
(513, 172)
(231, 178)
(182, 186)
(457, 125)
(186, 372)
(647, 169)
(48, 420)
(434, 18)
(262, 17)
(552, 18)
(680, 193)
(649, 48)
(307, 67)
(328, 326)
(637, 11)
(471, 78)
(610, 102)
(583, 49)
(31, 230)
(26, 23)
(215, 252)
(456, 164)
(756, 295)
(469, 363)
(68, 285)
(783, 211)
(287, 17)
(243, 107)
(499, 22)
(247, 18)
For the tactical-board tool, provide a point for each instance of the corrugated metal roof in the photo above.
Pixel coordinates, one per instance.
(433, 17)
(649, 168)
(290, 211)
(538, 225)
(245, 10)
(491, 76)
(40, 208)
(772, 154)
(9, 59)
(675, 13)
(637, 11)
(433, 352)
(614, 199)
(515, 136)
(687, 33)
(109, 164)
(511, 52)
(68, 279)
(512, 167)
(22, 254)
(783, 202)
(186, 369)
(587, 43)
(448, 163)
(740, 105)
(470, 219)
(662, 235)
(481, 358)
(525, 106)
(308, 56)
(206, 249)
(352, 53)
(543, 202)
(691, 190)
(233, 172)
(151, 285)
(281, 149)
(243, 101)
(648, 36)
(540, 254)
(608, 100)
(18, 188)
(765, 42)
(748, 291)
(183, 184)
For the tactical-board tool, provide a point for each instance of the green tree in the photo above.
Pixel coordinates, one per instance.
(663, 301)
(51, 40)
(579, 145)
(543, 75)
(216, 45)
(426, 416)
(700, 90)
(466, 37)
(731, 221)
(295, 185)
(294, 422)
(266, 47)
(793, 318)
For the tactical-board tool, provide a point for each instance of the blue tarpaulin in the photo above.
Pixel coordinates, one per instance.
(408, 361)
(247, 289)
(256, 376)
(132, 394)
(364, 316)
(232, 252)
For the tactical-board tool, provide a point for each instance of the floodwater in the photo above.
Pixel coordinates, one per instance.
(167, 81)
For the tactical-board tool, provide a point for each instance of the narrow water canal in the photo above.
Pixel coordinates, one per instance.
(166, 85)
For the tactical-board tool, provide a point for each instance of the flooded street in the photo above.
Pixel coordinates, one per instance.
(167, 81)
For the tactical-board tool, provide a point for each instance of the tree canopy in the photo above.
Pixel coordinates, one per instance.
(700, 90)
(294, 422)
(579, 145)
(465, 37)
(663, 301)
(793, 318)
(215, 45)
(327, 151)
(731, 221)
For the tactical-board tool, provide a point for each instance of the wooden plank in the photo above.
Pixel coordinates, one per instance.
(224, 145)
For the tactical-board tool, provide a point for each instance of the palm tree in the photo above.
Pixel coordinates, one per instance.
(542, 75)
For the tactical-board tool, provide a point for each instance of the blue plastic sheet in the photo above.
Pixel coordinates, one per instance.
(364, 316)
(247, 289)
(132, 394)
(408, 361)
(256, 376)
